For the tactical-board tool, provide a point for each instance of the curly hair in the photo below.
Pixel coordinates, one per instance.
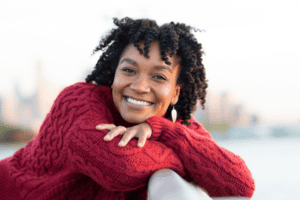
(174, 39)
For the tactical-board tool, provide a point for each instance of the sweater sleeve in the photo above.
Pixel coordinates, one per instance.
(214, 168)
(74, 118)
(69, 146)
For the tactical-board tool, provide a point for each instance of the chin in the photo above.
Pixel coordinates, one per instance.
(134, 120)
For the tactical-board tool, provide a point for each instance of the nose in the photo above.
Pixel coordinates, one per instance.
(140, 85)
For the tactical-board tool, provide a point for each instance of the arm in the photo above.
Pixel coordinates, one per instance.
(74, 117)
(216, 169)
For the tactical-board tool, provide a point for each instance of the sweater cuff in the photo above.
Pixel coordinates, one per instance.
(162, 128)
(156, 125)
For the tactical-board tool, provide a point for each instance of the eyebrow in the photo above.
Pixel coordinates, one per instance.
(134, 63)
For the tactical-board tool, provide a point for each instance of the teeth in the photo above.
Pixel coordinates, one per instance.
(138, 102)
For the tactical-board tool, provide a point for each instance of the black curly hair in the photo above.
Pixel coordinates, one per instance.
(174, 39)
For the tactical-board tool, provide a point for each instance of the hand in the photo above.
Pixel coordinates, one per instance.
(142, 131)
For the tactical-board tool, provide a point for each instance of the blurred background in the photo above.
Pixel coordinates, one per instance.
(251, 60)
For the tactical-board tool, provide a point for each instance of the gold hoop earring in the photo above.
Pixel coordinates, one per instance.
(174, 114)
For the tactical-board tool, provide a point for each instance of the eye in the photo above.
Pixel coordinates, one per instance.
(161, 77)
(127, 70)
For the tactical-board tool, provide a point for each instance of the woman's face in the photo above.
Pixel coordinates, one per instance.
(149, 83)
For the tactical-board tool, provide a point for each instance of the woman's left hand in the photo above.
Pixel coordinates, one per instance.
(142, 131)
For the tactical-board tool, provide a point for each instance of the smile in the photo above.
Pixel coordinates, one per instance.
(136, 103)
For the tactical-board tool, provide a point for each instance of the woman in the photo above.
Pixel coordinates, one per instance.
(146, 85)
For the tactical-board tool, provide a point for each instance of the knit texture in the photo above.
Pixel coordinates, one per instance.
(70, 160)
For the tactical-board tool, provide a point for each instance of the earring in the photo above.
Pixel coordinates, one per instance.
(174, 115)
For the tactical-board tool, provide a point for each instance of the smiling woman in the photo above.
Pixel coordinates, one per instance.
(146, 76)
(144, 87)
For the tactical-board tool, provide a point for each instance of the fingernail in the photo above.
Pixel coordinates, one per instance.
(107, 137)
(99, 126)
(140, 144)
(121, 143)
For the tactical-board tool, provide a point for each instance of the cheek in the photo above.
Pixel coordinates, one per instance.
(165, 94)
(117, 79)
(116, 89)
(118, 83)
(166, 91)
(120, 80)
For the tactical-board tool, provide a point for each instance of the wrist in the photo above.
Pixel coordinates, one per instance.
(155, 124)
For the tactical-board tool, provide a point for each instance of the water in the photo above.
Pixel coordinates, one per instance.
(273, 162)
(7, 150)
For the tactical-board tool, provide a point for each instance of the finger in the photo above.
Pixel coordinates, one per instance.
(119, 130)
(128, 135)
(105, 126)
(142, 140)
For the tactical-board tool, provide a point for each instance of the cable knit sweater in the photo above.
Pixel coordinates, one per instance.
(70, 160)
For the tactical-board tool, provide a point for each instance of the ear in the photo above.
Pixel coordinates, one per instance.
(176, 94)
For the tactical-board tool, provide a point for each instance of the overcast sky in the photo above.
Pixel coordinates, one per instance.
(252, 47)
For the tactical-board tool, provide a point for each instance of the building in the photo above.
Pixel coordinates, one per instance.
(225, 109)
(30, 111)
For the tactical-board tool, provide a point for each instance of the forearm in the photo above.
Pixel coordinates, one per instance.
(214, 168)
(219, 173)
(118, 168)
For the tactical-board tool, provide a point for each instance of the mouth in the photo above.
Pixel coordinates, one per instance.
(132, 101)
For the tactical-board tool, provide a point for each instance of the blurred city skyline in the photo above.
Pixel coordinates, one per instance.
(30, 111)
(251, 47)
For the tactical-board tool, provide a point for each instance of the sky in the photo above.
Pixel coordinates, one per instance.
(251, 47)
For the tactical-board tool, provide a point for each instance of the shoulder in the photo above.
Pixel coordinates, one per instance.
(82, 100)
(196, 126)
(82, 87)
(83, 90)
(80, 95)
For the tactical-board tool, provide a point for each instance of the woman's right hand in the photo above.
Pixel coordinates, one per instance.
(142, 131)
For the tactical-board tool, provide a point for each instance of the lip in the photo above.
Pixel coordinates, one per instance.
(135, 106)
(137, 99)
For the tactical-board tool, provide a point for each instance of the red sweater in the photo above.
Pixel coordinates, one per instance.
(70, 160)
